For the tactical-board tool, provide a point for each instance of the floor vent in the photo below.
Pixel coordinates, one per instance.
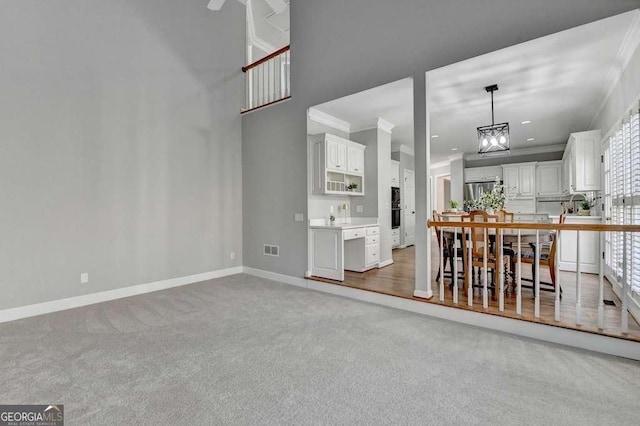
(609, 302)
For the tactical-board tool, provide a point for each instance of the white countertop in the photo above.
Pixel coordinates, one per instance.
(340, 224)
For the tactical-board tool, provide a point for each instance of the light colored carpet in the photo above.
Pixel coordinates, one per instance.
(241, 350)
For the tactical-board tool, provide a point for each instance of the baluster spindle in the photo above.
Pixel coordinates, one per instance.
(519, 283)
(536, 289)
(500, 271)
(557, 274)
(442, 243)
(625, 316)
(578, 281)
(469, 270)
(601, 284)
(485, 278)
(454, 248)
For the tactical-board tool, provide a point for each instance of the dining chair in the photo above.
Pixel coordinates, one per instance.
(474, 240)
(446, 246)
(548, 258)
(507, 249)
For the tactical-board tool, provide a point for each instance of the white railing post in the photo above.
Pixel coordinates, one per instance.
(499, 268)
(557, 274)
(536, 289)
(469, 271)
(578, 281)
(455, 265)
(601, 284)
(625, 279)
(442, 264)
(519, 284)
(485, 291)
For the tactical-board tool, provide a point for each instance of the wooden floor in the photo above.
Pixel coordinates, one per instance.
(398, 279)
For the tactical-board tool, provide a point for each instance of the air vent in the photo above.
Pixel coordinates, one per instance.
(270, 250)
(609, 302)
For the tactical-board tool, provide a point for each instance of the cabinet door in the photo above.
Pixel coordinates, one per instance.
(549, 179)
(355, 160)
(332, 154)
(510, 181)
(342, 157)
(586, 155)
(395, 173)
(474, 174)
(527, 181)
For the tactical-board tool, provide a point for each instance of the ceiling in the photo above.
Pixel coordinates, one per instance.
(392, 102)
(557, 82)
(269, 26)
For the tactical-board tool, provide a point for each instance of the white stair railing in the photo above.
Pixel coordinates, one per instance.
(268, 80)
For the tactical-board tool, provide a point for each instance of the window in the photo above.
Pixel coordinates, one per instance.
(621, 198)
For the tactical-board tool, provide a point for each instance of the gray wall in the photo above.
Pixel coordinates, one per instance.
(334, 55)
(120, 153)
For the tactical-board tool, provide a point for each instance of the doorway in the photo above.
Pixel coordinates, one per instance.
(443, 192)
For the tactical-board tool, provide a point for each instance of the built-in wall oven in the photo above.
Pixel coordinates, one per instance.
(395, 207)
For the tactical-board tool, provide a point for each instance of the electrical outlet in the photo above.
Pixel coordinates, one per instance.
(232, 255)
(359, 209)
(299, 217)
(84, 278)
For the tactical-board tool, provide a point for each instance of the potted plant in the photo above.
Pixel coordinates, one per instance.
(585, 208)
(453, 204)
(352, 186)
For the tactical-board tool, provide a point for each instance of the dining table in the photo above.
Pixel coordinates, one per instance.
(527, 238)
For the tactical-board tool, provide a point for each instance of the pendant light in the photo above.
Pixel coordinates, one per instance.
(493, 139)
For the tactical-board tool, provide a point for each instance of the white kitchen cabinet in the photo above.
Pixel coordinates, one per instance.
(482, 174)
(395, 237)
(395, 173)
(520, 180)
(363, 252)
(337, 163)
(549, 179)
(590, 254)
(355, 159)
(581, 162)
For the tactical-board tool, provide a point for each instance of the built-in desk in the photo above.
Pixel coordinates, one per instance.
(352, 246)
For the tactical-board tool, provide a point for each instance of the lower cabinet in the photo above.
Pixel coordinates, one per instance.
(395, 238)
(362, 254)
(589, 246)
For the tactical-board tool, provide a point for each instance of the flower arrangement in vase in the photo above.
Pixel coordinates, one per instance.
(493, 201)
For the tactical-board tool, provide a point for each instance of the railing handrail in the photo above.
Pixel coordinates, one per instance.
(534, 226)
(266, 58)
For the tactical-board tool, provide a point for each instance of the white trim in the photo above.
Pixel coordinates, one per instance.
(521, 152)
(384, 125)
(397, 147)
(454, 157)
(385, 263)
(12, 314)
(628, 47)
(422, 294)
(562, 336)
(274, 276)
(328, 120)
(440, 164)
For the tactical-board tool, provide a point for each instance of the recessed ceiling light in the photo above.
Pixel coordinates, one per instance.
(531, 139)
(454, 149)
(435, 136)
(526, 122)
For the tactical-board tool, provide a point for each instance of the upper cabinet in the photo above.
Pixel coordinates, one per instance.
(549, 179)
(520, 180)
(482, 174)
(395, 173)
(581, 162)
(337, 164)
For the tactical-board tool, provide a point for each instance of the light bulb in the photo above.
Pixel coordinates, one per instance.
(494, 141)
(485, 142)
(503, 140)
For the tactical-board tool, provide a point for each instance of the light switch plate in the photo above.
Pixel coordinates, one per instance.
(299, 217)
(84, 278)
(359, 209)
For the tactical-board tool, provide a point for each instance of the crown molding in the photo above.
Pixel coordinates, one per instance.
(328, 120)
(458, 156)
(384, 125)
(628, 47)
(521, 152)
(440, 164)
(398, 147)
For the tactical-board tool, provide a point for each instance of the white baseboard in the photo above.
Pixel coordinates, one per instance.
(385, 263)
(12, 314)
(268, 275)
(574, 338)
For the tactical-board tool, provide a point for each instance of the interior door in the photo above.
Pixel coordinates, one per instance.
(409, 207)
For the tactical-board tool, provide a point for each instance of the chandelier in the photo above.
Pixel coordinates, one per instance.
(493, 139)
